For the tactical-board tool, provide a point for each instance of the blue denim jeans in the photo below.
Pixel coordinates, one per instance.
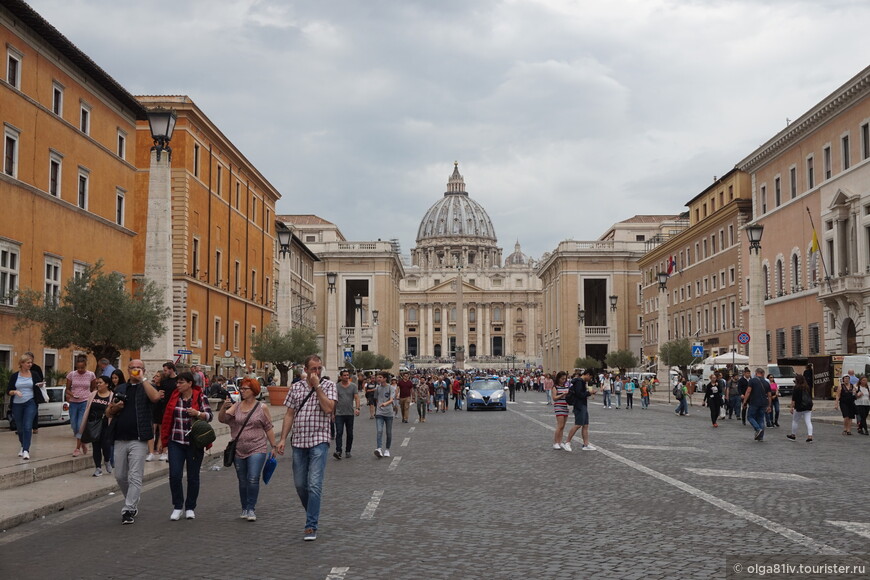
(24, 414)
(344, 423)
(76, 414)
(606, 398)
(644, 401)
(382, 422)
(618, 396)
(756, 416)
(179, 455)
(309, 464)
(683, 406)
(249, 470)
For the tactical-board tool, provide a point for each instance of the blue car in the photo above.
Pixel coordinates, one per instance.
(486, 394)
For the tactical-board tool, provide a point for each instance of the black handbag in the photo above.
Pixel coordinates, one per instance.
(230, 451)
(93, 431)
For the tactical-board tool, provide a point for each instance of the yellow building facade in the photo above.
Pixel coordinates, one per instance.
(223, 254)
(68, 183)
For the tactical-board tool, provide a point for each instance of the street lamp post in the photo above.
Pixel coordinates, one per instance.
(757, 321)
(158, 236)
(357, 323)
(285, 295)
(581, 335)
(661, 370)
(613, 330)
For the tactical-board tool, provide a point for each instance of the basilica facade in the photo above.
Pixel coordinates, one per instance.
(459, 299)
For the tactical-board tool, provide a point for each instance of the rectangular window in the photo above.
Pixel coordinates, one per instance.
(811, 174)
(55, 169)
(218, 278)
(194, 328)
(253, 215)
(844, 142)
(119, 206)
(236, 328)
(731, 276)
(219, 179)
(780, 343)
(814, 339)
(253, 294)
(796, 341)
(57, 98)
(238, 276)
(767, 343)
(777, 192)
(268, 226)
(52, 280)
(792, 178)
(10, 151)
(79, 270)
(238, 194)
(85, 119)
(763, 196)
(217, 333)
(865, 141)
(266, 292)
(13, 67)
(8, 273)
(826, 154)
(196, 160)
(122, 144)
(82, 196)
(195, 258)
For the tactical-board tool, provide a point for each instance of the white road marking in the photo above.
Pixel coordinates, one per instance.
(735, 510)
(614, 432)
(369, 512)
(411, 430)
(748, 474)
(337, 573)
(394, 464)
(406, 441)
(662, 448)
(859, 528)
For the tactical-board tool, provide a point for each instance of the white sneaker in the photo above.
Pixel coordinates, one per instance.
(244, 515)
(108, 468)
(589, 447)
(556, 446)
(176, 515)
(21, 452)
(164, 457)
(252, 517)
(567, 446)
(150, 457)
(386, 452)
(25, 455)
(98, 472)
(378, 452)
(189, 514)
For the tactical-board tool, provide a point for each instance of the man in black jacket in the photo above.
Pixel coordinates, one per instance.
(579, 385)
(758, 398)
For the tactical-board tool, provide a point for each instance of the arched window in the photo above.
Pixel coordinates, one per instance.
(412, 315)
(766, 276)
(437, 315)
(453, 314)
(779, 280)
(519, 314)
(472, 315)
(795, 272)
(437, 351)
(496, 314)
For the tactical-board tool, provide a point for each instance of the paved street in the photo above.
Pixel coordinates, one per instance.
(483, 495)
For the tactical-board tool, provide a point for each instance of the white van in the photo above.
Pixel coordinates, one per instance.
(783, 376)
(860, 363)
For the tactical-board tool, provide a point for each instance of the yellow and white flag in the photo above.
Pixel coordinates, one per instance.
(814, 252)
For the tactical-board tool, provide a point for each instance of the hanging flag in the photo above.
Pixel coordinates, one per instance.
(672, 264)
(814, 252)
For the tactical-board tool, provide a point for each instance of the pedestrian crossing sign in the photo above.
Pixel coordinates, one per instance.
(697, 350)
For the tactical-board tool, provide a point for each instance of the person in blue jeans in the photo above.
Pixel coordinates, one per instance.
(385, 400)
(758, 399)
(617, 391)
(23, 387)
(310, 404)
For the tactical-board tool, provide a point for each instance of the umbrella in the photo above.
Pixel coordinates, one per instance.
(727, 358)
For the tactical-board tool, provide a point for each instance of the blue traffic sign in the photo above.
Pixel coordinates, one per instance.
(348, 355)
(698, 351)
(183, 351)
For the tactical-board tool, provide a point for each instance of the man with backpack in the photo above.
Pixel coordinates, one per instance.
(581, 393)
(681, 394)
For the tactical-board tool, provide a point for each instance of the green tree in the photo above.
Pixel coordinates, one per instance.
(284, 349)
(96, 313)
(677, 353)
(367, 359)
(622, 360)
(587, 362)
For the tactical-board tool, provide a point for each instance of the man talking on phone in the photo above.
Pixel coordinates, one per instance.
(131, 429)
(310, 402)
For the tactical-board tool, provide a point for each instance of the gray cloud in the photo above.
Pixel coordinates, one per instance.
(565, 116)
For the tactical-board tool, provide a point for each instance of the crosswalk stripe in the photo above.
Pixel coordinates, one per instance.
(747, 474)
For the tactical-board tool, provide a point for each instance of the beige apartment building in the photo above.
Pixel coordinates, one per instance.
(294, 282)
(356, 292)
(704, 298)
(817, 167)
(592, 294)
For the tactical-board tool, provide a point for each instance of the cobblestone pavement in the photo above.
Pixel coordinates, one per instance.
(484, 495)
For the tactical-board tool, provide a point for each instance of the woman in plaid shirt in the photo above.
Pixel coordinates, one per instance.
(187, 403)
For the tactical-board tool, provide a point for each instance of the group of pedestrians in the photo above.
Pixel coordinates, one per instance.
(853, 401)
(613, 386)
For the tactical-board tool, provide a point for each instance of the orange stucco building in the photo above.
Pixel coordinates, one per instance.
(68, 181)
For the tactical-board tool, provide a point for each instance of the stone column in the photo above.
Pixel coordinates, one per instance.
(158, 254)
(757, 319)
(662, 373)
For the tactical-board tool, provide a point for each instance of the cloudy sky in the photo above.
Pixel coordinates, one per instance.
(565, 116)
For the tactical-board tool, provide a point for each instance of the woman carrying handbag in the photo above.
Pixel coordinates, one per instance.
(251, 427)
(94, 425)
